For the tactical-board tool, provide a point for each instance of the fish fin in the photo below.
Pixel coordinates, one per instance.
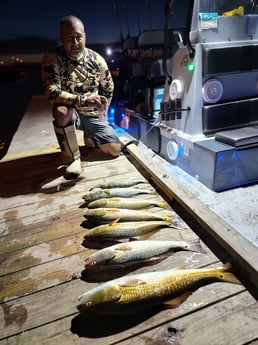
(133, 282)
(175, 302)
(114, 221)
(181, 267)
(124, 247)
(111, 210)
(147, 235)
(154, 260)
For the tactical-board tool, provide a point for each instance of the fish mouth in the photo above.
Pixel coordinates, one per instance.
(89, 263)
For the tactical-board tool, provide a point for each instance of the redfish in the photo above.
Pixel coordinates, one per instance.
(127, 203)
(111, 214)
(134, 293)
(125, 230)
(99, 193)
(139, 252)
(120, 184)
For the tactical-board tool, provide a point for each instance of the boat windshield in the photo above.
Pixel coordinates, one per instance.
(229, 7)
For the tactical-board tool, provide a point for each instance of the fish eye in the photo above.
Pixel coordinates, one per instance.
(93, 263)
(88, 304)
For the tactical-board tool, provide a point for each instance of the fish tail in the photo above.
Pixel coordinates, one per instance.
(227, 276)
(227, 267)
(163, 204)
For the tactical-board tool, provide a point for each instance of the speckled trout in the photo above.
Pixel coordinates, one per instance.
(134, 293)
(125, 230)
(135, 252)
(99, 193)
(127, 203)
(119, 183)
(103, 214)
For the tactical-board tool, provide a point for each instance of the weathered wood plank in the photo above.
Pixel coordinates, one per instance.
(25, 235)
(41, 253)
(232, 321)
(32, 174)
(56, 198)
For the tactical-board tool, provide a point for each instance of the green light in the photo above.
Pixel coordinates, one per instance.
(190, 66)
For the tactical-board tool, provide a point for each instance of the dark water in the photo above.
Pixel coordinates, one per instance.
(15, 93)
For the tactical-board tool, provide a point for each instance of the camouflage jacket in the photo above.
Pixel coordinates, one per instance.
(70, 82)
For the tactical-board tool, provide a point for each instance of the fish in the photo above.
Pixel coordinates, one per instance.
(120, 184)
(127, 203)
(139, 252)
(126, 230)
(99, 193)
(103, 214)
(135, 293)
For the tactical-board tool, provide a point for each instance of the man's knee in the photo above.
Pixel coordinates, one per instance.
(63, 115)
(113, 149)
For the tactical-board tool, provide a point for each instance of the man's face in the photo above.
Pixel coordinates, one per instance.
(73, 38)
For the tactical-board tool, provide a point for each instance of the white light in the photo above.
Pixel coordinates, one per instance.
(109, 51)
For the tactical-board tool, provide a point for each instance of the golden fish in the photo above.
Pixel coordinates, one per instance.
(125, 230)
(140, 291)
(120, 184)
(99, 193)
(139, 252)
(111, 214)
(126, 203)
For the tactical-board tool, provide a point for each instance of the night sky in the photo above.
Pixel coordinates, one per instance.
(103, 24)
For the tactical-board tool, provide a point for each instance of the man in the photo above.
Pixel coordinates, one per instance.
(79, 85)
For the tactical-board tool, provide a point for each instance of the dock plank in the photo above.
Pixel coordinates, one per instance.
(42, 253)
(217, 324)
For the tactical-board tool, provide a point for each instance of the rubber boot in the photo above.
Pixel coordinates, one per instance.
(67, 139)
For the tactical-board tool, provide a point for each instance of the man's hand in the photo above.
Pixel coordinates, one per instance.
(97, 101)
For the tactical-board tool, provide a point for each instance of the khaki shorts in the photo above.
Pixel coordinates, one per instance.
(98, 131)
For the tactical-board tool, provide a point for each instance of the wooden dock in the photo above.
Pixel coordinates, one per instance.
(42, 227)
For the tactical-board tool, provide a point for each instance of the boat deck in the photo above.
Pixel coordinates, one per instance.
(42, 227)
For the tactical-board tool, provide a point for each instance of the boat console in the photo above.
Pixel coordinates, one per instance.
(208, 118)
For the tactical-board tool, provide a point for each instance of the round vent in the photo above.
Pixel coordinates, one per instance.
(176, 90)
(212, 91)
(172, 150)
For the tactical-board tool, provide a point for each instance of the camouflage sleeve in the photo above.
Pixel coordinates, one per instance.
(106, 81)
(50, 76)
